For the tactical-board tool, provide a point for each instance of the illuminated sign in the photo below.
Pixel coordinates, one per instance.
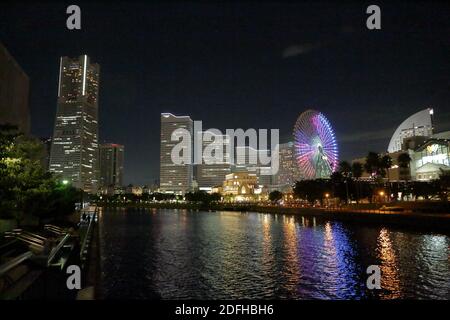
(432, 148)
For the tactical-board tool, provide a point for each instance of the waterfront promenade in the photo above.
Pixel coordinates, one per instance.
(33, 261)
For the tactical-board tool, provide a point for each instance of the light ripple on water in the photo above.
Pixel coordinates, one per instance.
(229, 255)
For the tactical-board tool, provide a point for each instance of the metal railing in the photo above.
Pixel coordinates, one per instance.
(56, 249)
(86, 240)
(55, 229)
(27, 237)
(14, 262)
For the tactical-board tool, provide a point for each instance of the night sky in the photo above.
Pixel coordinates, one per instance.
(239, 65)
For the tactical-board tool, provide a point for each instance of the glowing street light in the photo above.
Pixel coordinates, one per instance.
(65, 182)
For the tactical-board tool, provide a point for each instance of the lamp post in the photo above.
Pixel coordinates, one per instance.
(381, 193)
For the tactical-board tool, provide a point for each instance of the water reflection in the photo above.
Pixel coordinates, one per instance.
(183, 254)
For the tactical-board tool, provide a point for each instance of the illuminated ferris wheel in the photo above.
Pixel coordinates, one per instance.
(316, 149)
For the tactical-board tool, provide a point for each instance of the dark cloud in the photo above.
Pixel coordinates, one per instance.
(299, 49)
(377, 135)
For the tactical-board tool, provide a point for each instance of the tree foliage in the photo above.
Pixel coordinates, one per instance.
(275, 196)
(26, 189)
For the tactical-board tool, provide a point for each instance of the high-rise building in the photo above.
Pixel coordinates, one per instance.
(288, 172)
(174, 177)
(211, 173)
(14, 91)
(74, 152)
(111, 164)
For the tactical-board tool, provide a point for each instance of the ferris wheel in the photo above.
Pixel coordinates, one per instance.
(316, 149)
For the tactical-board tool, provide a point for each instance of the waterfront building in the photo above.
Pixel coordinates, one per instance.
(248, 159)
(429, 151)
(243, 186)
(430, 159)
(419, 124)
(395, 173)
(111, 164)
(174, 178)
(14, 93)
(74, 151)
(211, 173)
(288, 171)
(136, 190)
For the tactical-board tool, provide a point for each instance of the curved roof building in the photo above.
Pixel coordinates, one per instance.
(419, 124)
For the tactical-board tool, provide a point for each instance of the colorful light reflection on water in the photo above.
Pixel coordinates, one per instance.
(175, 254)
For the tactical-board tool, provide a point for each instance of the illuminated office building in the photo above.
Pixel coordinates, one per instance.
(74, 151)
(288, 171)
(111, 164)
(174, 178)
(211, 172)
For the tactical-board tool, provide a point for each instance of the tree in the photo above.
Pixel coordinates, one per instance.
(404, 160)
(345, 168)
(357, 170)
(275, 196)
(372, 165)
(25, 188)
(385, 165)
(311, 190)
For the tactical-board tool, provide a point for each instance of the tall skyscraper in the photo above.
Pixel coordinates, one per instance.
(176, 178)
(74, 152)
(210, 174)
(111, 164)
(288, 172)
(14, 91)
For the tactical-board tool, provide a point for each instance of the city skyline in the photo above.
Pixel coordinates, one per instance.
(229, 159)
(281, 72)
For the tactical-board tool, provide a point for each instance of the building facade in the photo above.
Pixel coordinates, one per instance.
(430, 159)
(175, 178)
(419, 124)
(248, 159)
(211, 172)
(14, 92)
(74, 151)
(111, 164)
(288, 171)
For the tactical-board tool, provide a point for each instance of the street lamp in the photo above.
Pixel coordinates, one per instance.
(65, 182)
(381, 193)
(327, 195)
